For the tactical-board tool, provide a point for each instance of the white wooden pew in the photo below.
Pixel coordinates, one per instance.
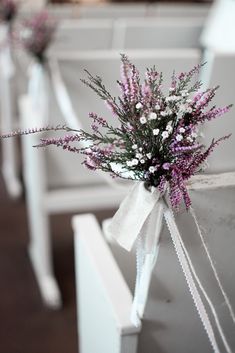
(220, 70)
(112, 10)
(178, 10)
(151, 33)
(83, 34)
(103, 297)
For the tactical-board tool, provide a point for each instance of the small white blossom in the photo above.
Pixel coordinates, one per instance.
(179, 137)
(142, 161)
(134, 161)
(188, 110)
(184, 93)
(140, 149)
(157, 107)
(156, 131)
(134, 147)
(165, 134)
(189, 139)
(143, 120)
(169, 128)
(152, 169)
(194, 135)
(172, 98)
(139, 105)
(129, 163)
(139, 155)
(168, 111)
(171, 89)
(163, 113)
(149, 156)
(182, 108)
(169, 99)
(182, 130)
(152, 116)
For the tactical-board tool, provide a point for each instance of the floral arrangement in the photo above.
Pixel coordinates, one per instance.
(157, 140)
(8, 10)
(36, 34)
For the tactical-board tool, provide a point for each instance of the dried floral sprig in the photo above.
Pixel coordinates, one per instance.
(8, 10)
(158, 139)
(36, 34)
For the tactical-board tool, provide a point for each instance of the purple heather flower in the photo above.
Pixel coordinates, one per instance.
(37, 33)
(8, 10)
(166, 166)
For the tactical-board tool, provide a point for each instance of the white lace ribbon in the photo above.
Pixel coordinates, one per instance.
(139, 218)
(6, 62)
(39, 91)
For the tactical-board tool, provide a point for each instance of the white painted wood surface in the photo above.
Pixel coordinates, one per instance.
(10, 165)
(161, 10)
(220, 70)
(83, 34)
(103, 298)
(152, 33)
(219, 30)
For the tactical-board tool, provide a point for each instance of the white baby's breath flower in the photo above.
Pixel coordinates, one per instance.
(139, 155)
(139, 106)
(142, 161)
(188, 110)
(194, 135)
(182, 108)
(177, 98)
(189, 139)
(134, 147)
(135, 161)
(182, 130)
(179, 137)
(168, 111)
(140, 149)
(165, 135)
(169, 128)
(163, 113)
(152, 116)
(169, 99)
(184, 93)
(156, 131)
(157, 107)
(129, 163)
(143, 120)
(152, 169)
(149, 156)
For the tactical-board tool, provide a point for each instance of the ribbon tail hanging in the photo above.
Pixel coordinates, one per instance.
(39, 91)
(6, 62)
(176, 238)
(147, 249)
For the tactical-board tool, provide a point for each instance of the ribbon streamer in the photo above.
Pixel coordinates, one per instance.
(39, 91)
(6, 62)
(139, 218)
